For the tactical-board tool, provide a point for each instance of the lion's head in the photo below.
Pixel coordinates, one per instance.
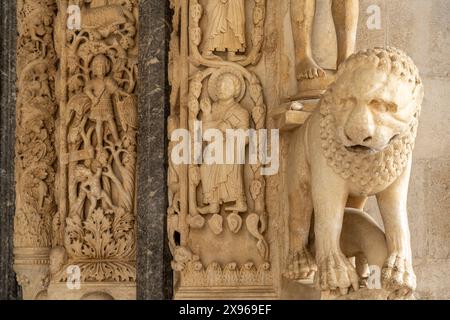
(375, 99)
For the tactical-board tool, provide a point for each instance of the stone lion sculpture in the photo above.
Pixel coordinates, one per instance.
(357, 144)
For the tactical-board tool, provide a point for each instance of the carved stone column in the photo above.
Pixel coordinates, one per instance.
(8, 284)
(153, 258)
(94, 238)
(35, 145)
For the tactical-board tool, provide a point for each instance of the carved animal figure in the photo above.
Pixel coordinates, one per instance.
(102, 18)
(357, 144)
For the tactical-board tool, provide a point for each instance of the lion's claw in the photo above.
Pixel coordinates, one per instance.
(336, 273)
(301, 265)
(398, 277)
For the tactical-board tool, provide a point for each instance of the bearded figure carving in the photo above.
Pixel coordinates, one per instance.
(357, 144)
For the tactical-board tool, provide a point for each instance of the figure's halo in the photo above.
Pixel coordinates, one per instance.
(212, 83)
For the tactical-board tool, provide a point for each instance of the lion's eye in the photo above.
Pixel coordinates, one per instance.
(392, 107)
(349, 102)
(383, 106)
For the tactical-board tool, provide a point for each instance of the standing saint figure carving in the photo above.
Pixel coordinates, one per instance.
(226, 29)
(224, 183)
(345, 16)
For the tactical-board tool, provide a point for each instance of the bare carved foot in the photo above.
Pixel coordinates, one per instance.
(213, 208)
(307, 68)
(301, 265)
(240, 206)
(232, 56)
(336, 273)
(398, 277)
(209, 55)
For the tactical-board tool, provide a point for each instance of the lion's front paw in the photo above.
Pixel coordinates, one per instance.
(337, 274)
(301, 265)
(398, 277)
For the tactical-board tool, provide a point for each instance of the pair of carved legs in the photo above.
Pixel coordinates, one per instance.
(334, 268)
(345, 16)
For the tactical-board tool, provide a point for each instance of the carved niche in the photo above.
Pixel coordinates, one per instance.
(217, 213)
(78, 212)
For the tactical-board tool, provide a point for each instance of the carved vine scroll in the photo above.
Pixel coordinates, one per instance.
(35, 144)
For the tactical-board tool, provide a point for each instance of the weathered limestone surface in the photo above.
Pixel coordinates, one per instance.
(8, 285)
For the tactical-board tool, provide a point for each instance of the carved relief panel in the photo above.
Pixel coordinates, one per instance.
(82, 206)
(97, 136)
(217, 217)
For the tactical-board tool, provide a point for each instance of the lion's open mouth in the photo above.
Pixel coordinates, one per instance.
(360, 149)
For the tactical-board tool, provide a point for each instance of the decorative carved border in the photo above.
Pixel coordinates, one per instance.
(35, 144)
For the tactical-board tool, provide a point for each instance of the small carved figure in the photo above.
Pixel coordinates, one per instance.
(95, 191)
(100, 90)
(226, 30)
(345, 15)
(92, 186)
(39, 181)
(224, 183)
(35, 186)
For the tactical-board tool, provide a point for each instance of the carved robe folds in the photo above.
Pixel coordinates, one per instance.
(227, 22)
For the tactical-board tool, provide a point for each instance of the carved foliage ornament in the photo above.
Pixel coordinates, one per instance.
(35, 130)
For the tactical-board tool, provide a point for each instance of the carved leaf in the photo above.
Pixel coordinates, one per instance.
(234, 222)
(216, 224)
